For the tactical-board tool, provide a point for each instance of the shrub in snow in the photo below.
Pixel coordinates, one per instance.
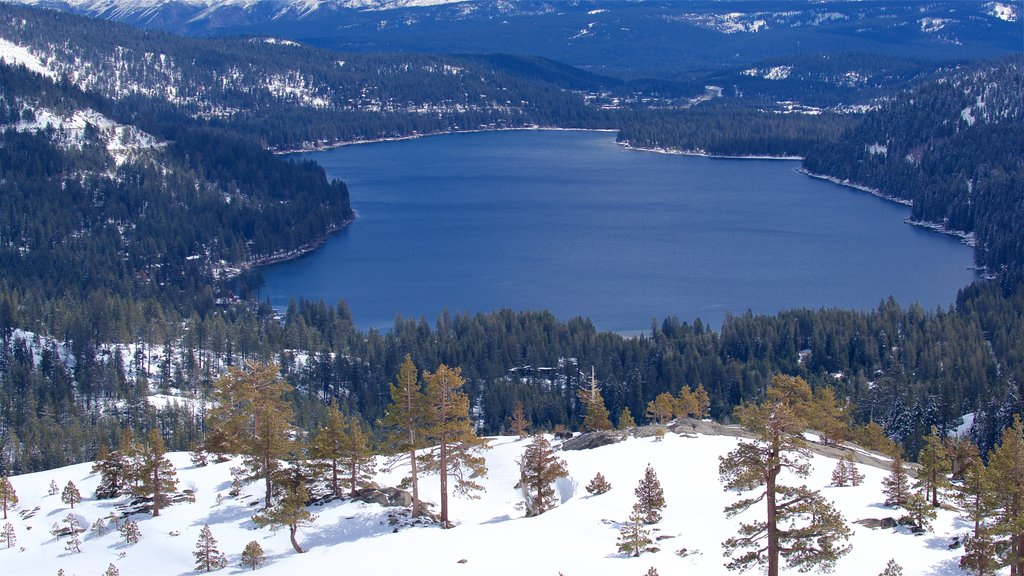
(8, 535)
(598, 485)
(634, 537)
(892, 569)
(252, 556)
(130, 532)
(112, 570)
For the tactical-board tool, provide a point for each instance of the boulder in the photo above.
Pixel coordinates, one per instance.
(594, 440)
(875, 523)
(387, 497)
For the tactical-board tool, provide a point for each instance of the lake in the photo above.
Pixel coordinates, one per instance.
(573, 223)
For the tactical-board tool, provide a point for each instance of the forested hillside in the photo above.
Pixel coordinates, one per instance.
(954, 147)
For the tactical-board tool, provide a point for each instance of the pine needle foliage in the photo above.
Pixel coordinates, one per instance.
(252, 556)
(800, 526)
(598, 485)
(634, 536)
(8, 536)
(935, 465)
(208, 557)
(539, 468)
(289, 511)
(8, 496)
(71, 495)
(518, 421)
(1006, 469)
(650, 496)
(896, 486)
(892, 569)
(626, 421)
(405, 420)
(158, 476)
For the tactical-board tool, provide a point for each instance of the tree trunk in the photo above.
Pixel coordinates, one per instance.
(334, 477)
(292, 529)
(354, 477)
(773, 529)
(156, 491)
(443, 461)
(415, 480)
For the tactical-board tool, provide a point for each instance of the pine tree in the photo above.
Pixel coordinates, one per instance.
(253, 417)
(598, 485)
(112, 570)
(703, 402)
(519, 422)
(456, 453)
(252, 556)
(650, 496)
(626, 421)
(962, 453)
(406, 419)
(208, 557)
(8, 497)
(896, 486)
(596, 416)
(71, 495)
(198, 455)
(652, 571)
(920, 509)
(661, 408)
(934, 466)
(634, 536)
(289, 511)
(840, 474)
(159, 478)
(853, 474)
(892, 569)
(686, 405)
(54, 489)
(113, 475)
(130, 532)
(99, 527)
(101, 455)
(8, 536)
(129, 453)
(1006, 469)
(74, 543)
(827, 417)
(800, 526)
(356, 455)
(539, 468)
(975, 498)
(328, 445)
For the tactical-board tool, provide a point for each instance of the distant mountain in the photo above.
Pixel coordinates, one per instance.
(653, 38)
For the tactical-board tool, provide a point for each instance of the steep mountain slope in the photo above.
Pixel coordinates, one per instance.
(491, 536)
(629, 38)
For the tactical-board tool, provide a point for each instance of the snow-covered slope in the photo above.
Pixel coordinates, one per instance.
(492, 536)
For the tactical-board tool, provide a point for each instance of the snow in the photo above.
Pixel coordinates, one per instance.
(964, 429)
(491, 535)
(933, 24)
(967, 116)
(1002, 11)
(14, 54)
(877, 149)
(122, 141)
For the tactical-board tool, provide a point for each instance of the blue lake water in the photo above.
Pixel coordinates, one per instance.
(575, 224)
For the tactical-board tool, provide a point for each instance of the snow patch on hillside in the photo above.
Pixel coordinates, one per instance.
(122, 141)
(1002, 11)
(14, 54)
(491, 534)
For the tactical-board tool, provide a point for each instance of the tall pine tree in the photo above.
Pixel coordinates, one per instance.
(1006, 469)
(800, 526)
(159, 479)
(457, 453)
(539, 468)
(406, 421)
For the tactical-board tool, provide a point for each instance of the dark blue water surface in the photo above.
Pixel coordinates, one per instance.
(575, 224)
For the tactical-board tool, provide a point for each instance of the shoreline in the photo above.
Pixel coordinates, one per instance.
(703, 154)
(231, 272)
(342, 144)
(966, 238)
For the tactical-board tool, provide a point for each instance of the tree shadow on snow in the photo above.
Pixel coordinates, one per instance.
(224, 514)
(938, 542)
(949, 567)
(498, 519)
(350, 529)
